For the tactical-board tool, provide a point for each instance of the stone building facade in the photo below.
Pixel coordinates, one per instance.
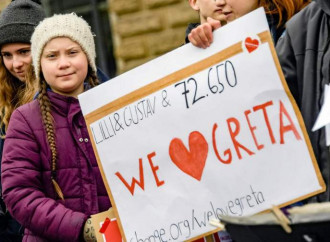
(4, 3)
(145, 29)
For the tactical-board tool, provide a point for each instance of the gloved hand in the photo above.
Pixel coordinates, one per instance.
(89, 232)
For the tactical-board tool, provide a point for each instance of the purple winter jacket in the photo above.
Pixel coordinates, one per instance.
(26, 180)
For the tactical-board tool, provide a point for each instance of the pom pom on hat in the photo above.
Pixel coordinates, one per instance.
(62, 25)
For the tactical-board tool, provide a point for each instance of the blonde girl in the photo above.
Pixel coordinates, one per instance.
(50, 177)
(17, 23)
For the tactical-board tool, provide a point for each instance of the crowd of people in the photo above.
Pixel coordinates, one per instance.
(50, 180)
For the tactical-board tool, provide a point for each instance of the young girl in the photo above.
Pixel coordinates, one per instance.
(214, 13)
(50, 178)
(17, 23)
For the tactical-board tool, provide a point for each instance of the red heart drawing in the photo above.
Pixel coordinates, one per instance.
(192, 161)
(251, 44)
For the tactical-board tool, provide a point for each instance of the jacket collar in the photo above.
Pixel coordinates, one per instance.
(64, 105)
(325, 5)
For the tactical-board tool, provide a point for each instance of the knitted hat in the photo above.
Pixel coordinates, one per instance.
(62, 25)
(18, 20)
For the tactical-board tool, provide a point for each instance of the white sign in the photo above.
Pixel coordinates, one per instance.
(196, 134)
(323, 118)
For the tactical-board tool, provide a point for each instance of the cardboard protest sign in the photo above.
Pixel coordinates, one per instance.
(196, 134)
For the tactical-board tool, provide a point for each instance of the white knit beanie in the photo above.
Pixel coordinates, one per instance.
(62, 25)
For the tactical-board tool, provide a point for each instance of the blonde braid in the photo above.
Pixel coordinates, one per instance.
(45, 107)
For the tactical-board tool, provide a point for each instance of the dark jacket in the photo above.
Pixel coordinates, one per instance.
(304, 55)
(26, 179)
(101, 76)
(10, 229)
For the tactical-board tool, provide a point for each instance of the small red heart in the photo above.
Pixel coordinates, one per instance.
(192, 161)
(111, 231)
(251, 44)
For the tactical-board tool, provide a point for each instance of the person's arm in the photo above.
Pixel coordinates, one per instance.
(23, 187)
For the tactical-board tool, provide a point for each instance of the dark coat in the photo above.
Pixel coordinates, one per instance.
(10, 229)
(304, 55)
(26, 179)
(101, 76)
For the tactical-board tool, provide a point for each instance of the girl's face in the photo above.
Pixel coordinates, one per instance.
(64, 65)
(223, 10)
(17, 58)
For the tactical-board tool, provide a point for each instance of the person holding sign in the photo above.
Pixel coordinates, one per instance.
(215, 13)
(50, 177)
(304, 55)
